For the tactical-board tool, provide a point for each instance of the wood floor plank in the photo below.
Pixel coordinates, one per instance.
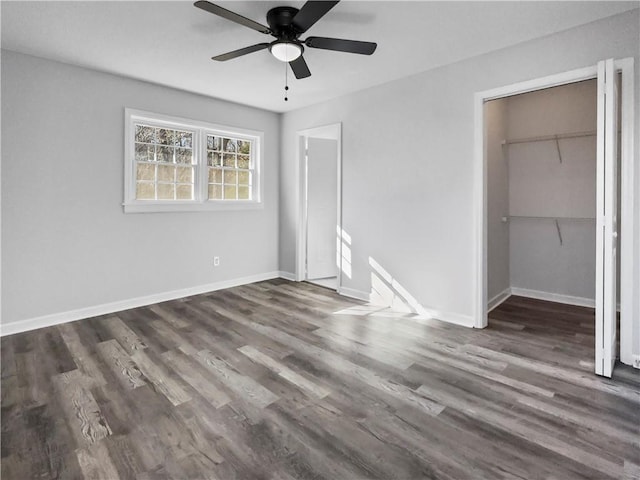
(8, 359)
(177, 340)
(190, 373)
(244, 386)
(283, 380)
(168, 316)
(284, 371)
(81, 353)
(127, 337)
(96, 462)
(161, 379)
(120, 363)
(83, 413)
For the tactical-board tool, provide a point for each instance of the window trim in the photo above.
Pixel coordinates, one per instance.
(201, 129)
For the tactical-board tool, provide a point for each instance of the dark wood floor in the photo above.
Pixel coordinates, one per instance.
(282, 380)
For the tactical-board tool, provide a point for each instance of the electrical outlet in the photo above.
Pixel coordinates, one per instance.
(636, 361)
(216, 261)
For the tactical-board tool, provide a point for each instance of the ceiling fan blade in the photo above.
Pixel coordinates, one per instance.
(310, 13)
(238, 53)
(300, 68)
(229, 15)
(339, 45)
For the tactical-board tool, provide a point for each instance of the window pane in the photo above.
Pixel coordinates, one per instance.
(184, 155)
(184, 192)
(229, 160)
(146, 171)
(145, 134)
(230, 145)
(145, 191)
(215, 192)
(184, 139)
(164, 154)
(215, 175)
(213, 143)
(166, 173)
(244, 147)
(244, 193)
(185, 175)
(214, 159)
(244, 178)
(166, 136)
(166, 191)
(230, 177)
(144, 152)
(230, 192)
(244, 161)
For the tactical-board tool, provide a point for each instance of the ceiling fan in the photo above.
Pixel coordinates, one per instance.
(287, 24)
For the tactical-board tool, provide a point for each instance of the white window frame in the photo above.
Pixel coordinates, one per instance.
(200, 131)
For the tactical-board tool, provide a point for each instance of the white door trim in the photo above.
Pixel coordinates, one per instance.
(628, 255)
(333, 131)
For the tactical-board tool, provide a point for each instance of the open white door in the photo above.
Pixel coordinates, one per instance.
(606, 218)
(322, 208)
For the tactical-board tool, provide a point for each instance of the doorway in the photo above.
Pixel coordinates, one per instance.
(320, 218)
(539, 206)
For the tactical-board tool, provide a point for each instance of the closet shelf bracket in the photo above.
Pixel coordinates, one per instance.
(559, 232)
(558, 148)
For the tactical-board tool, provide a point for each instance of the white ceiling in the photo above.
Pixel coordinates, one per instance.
(171, 43)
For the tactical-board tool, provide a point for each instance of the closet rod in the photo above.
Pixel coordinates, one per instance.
(546, 138)
(505, 219)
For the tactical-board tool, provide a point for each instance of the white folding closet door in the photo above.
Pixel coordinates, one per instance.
(322, 208)
(606, 218)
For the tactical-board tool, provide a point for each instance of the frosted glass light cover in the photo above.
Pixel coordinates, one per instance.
(285, 51)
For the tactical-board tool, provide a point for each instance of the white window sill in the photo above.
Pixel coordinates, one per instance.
(209, 206)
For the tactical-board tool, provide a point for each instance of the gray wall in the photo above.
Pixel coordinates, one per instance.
(540, 185)
(66, 242)
(498, 279)
(408, 161)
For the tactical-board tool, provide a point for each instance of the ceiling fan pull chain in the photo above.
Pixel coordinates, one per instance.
(286, 81)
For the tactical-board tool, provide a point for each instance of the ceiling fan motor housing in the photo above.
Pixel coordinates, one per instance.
(280, 20)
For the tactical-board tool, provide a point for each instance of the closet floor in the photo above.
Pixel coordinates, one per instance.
(558, 326)
(289, 380)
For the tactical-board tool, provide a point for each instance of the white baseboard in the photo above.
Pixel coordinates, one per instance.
(352, 293)
(553, 297)
(287, 276)
(455, 318)
(499, 299)
(106, 308)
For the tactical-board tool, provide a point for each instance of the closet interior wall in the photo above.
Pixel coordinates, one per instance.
(541, 196)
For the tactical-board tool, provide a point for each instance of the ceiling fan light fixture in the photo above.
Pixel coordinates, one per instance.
(285, 51)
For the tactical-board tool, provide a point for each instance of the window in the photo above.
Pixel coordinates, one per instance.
(230, 168)
(174, 164)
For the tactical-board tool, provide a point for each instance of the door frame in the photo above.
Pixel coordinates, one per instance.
(628, 256)
(334, 132)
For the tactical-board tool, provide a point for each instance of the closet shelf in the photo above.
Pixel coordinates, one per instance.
(547, 138)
